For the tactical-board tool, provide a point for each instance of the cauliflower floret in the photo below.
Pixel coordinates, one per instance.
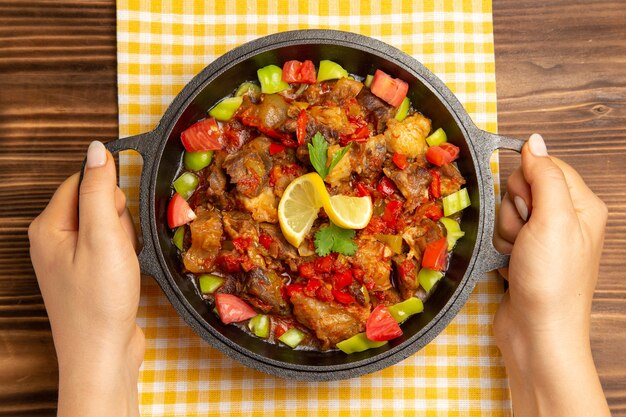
(408, 137)
(342, 170)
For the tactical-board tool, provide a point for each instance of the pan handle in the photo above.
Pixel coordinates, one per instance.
(144, 144)
(489, 258)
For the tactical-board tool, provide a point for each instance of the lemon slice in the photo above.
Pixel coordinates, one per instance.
(299, 206)
(349, 212)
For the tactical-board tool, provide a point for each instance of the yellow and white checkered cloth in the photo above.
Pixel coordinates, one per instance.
(161, 45)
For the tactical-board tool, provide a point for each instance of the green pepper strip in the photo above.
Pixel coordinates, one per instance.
(186, 184)
(292, 337)
(453, 231)
(271, 79)
(368, 80)
(403, 110)
(394, 242)
(179, 235)
(437, 137)
(406, 309)
(330, 70)
(428, 278)
(260, 325)
(455, 202)
(209, 283)
(248, 88)
(195, 161)
(358, 343)
(225, 109)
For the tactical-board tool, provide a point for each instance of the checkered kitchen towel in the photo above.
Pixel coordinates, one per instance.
(161, 45)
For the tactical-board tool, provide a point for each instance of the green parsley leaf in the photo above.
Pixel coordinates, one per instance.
(318, 153)
(333, 238)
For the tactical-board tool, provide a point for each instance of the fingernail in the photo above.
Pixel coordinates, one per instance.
(521, 207)
(537, 145)
(96, 155)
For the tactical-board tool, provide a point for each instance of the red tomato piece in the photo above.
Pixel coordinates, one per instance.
(242, 243)
(362, 190)
(381, 326)
(301, 123)
(323, 264)
(400, 160)
(179, 212)
(442, 154)
(312, 286)
(276, 148)
(392, 212)
(342, 279)
(324, 294)
(307, 270)
(299, 72)
(435, 185)
(294, 288)
(406, 269)
(434, 212)
(386, 187)
(233, 309)
(202, 136)
(436, 255)
(392, 90)
(229, 262)
(266, 240)
(343, 297)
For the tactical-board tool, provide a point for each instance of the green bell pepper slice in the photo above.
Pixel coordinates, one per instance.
(260, 325)
(428, 278)
(179, 235)
(453, 231)
(406, 309)
(437, 137)
(292, 337)
(455, 202)
(393, 241)
(368, 80)
(225, 109)
(358, 343)
(186, 184)
(210, 283)
(248, 88)
(271, 79)
(403, 110)
(195, 161)
(330, 70)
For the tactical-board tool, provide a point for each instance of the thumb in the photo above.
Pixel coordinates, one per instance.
(549, 189)
(97, 210)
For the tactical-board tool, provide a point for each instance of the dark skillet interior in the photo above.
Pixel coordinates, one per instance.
(361, 60)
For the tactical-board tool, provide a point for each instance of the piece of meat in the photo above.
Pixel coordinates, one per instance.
(341, 172)
(248, 169)
(268, 116)
(369, 156)
(343, 90)
(413, 183)
(216, 183)
(206, 240)
(408, 137)
(263, 291)
(331, 323)
(239, 225)
(420, 235)
(263, 207)
(235, 134)
(282, 175)
(316, 93)
(372, 258)
(387, 298)
(451, 179)
(332, 122)
(406, 275)
(279, 248)
(378, 111)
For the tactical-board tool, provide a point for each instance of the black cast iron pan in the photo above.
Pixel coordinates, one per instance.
(162, 152)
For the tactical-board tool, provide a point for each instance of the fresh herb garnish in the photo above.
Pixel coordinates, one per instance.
(318, 153)
(333, 238)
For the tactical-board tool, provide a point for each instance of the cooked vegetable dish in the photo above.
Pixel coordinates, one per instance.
(316, 208)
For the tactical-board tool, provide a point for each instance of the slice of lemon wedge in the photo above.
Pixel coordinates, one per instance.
(302, 200)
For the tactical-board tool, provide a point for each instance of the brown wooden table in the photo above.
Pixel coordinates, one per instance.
(561, 71)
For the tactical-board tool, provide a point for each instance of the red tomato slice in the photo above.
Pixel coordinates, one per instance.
(299, 72)
(436, 255)
(442, 154)
(233, 309)
(381, 325)
(202, 136)
(276, 148)
(400, 160)
(179, 212)
(342, 297)
(392, 90)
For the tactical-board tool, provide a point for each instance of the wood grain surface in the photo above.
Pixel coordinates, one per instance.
(561, 71)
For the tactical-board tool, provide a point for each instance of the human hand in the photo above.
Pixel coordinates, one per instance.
(553, 226)
(83, 252)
